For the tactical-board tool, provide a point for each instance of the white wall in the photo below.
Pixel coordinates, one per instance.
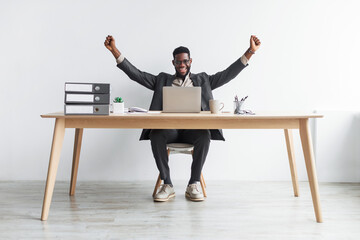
(307, 61)
(337, 145)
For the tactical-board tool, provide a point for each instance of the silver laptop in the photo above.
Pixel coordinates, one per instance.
(181, 99)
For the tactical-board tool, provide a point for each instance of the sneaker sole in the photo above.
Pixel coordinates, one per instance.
(164, 199)
(187, 195)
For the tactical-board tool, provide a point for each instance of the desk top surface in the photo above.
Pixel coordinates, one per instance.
(203, 114)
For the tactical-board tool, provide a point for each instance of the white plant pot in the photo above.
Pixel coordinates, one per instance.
(118, 108)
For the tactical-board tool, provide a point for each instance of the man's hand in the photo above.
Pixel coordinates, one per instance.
(254, 43)
(110, 45)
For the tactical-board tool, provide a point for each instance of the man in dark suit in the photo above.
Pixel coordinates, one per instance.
(199, 138)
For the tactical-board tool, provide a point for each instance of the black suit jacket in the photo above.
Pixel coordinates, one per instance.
(203, 80)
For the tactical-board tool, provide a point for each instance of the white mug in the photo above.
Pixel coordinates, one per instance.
(215, 106)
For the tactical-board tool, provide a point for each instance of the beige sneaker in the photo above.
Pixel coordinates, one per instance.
(165, 194)
(192, 193)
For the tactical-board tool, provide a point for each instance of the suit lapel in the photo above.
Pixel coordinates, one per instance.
(170, 80)
(194, 79)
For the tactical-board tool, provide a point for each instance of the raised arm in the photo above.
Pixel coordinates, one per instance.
(234, 69)
(146, 79)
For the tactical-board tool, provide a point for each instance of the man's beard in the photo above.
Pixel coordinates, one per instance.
(181, 76)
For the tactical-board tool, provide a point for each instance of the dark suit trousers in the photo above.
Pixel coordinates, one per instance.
(199, 138)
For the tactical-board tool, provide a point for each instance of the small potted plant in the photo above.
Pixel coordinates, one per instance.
(118, 105)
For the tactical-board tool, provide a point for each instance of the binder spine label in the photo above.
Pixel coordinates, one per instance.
(86, 109)
(80, 98)
(76, 109)
(71, 87)
(78, 87)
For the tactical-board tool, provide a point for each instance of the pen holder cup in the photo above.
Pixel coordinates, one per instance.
(238, 107)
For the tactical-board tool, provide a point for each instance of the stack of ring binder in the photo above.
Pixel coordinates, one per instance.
(87, 98)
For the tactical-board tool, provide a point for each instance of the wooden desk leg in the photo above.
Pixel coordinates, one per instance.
(76, 157)
(310, 166)
(203, 186)
(58, 138)
(291, 155)
(157, 185)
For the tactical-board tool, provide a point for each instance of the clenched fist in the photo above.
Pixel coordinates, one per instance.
(110, 45)
(254, 43)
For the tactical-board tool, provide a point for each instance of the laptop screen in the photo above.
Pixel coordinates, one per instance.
(182, 99)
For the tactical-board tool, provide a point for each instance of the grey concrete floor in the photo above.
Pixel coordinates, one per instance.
(232, 210)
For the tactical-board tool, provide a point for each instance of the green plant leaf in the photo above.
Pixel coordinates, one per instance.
(118, 100)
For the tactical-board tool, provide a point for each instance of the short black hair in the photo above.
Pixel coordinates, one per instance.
(181, 49)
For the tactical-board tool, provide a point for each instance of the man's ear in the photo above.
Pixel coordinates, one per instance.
(173, 62)
(190, 60)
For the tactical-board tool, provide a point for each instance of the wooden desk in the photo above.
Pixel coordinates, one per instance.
(204, 120)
